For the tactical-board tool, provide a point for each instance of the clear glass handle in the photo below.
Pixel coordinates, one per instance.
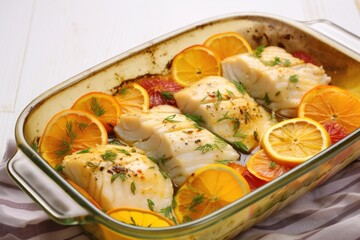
(43, 190)
(339, 34)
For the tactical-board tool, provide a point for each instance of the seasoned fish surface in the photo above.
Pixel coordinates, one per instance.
(174, 141)
(227, 110)
(274, 78)
(118, 176)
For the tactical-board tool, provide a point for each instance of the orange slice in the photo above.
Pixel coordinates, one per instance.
(227, 44)
(262, 167)
(139, 217)
(294, 141)
(101, 105)
(132, 98)
(207, 190)
(326, 103)
(70, 131)
(193, 64)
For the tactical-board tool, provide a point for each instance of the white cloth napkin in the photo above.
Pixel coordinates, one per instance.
(330, 212)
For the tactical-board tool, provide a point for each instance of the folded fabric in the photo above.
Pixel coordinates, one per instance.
(332, 211)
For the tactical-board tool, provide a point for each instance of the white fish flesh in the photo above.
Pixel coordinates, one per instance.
(174, 141)
(227, 110)
(274, 78)
(119, 176)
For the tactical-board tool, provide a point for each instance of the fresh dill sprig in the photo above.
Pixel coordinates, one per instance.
(96, 107)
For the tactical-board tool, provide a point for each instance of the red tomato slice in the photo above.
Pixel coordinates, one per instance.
(306, 58)
(160, 90)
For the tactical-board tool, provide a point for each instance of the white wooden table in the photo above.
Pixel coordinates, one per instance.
(43, 43)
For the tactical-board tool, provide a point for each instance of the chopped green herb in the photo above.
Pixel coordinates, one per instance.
(267, 99)
(186, 219)
(247, 117)
(133, 221)
(86, 150)
(226, 162)
(123, 91)
(287, 63)
(239, 86)
(151, 204)
(239, 134)
(218, 96)
(59, 168)
(109, 155)
(121, 175)
(230, 93)
(241, 146)
(161, 160)
(258, 51)
(256, 136)
(82, 126)
(272, 164)
(35, 144)
(206, 148)
(294, 78)
(124, 151)
(197, 200)
(133, 187)
(167, 95)
(92, 165)
(96, 107)
(276, 61)
(196, 118)
(170, 119)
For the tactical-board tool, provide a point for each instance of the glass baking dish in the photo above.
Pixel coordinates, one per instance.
(334, 46)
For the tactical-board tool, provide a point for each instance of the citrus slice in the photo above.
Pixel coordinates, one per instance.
(193, 64)
(207, 190)
(160, 89)
(83, 192)
(335, 130)
(139, 217)
(70, 131)
(100, 105)
(261, 166)
(227, 44)
(132, 98)
(326, 103)
(253, 181)
(295, 140)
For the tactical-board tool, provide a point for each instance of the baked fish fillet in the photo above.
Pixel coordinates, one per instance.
(119, 176)
(274, 77)
(174, 141)
(226, 110)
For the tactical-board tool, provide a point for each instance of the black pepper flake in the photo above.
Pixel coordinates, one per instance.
(197, 141)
